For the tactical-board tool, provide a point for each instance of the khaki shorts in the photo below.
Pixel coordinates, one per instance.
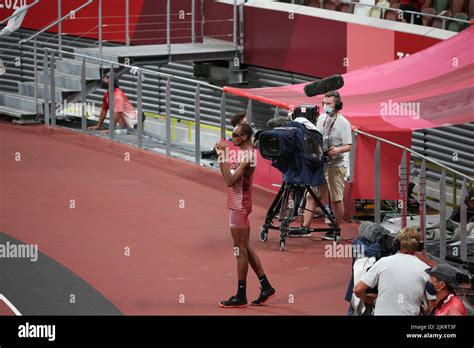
(334, 182)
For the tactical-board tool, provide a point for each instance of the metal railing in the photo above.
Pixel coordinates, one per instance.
(422, 181)
(50, 101)
(20, 12)
(59, 21)
(236, 34)
(50, 118)
(80, 35)
(36, 47)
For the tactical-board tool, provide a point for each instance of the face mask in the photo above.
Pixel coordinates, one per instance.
(328, 110)
(103, 85)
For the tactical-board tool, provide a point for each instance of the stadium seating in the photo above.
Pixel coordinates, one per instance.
(471, 9)
(438, 22)
(314, 3)
(379, 11)
(428, 20)
(441, 5)
(361, 10)
(347, 8)
(456, 26)
(427, 4)
(393, 15)
(331, 5)
(457, 6)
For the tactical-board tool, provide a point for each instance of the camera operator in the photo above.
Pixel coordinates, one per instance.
(443, 279)
(400, 278)
(337, 143)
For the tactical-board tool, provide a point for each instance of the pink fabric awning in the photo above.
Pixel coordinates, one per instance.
(431, 88)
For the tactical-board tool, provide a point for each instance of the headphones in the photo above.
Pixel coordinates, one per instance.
(339, 104)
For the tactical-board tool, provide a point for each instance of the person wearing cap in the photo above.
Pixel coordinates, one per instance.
(401, 279)
(443, 279)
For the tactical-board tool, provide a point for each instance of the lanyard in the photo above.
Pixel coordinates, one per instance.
(330, 128)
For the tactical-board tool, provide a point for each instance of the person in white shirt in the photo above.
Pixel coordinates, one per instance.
(400, 278)
(337, 143)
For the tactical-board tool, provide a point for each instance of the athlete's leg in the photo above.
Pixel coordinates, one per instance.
(239, 231)
(240, 237)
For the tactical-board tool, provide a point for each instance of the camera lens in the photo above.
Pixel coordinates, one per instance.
(269, 146)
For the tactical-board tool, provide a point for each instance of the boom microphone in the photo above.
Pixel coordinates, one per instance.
(331, 83)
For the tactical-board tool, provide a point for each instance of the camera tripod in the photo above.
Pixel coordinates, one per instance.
(285, 207)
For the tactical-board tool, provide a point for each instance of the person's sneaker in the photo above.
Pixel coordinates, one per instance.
(306, 233)
(330, 235)
(265, 295)
(300, 234)
(233, 302)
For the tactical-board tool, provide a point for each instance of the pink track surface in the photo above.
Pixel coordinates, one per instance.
(173, 251)
(5, 310)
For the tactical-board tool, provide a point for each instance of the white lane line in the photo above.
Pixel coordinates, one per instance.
(10, 305)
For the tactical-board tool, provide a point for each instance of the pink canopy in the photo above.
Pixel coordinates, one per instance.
(430, 88)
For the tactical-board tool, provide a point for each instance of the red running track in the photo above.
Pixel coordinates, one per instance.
(174, 250)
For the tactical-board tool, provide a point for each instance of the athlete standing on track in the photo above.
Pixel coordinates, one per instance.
(238, 177)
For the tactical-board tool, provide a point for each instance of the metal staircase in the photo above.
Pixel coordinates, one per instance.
(67, 75)
(17, 85)
(17, 98)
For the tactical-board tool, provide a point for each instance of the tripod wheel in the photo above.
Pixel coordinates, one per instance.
(282, 244)
(263, 234)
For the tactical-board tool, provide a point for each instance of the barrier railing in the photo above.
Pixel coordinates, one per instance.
(433, 168)
(422, 197)
(403, 189)
(36, 48)
(59, 21)
(50, 114)
(235, 34)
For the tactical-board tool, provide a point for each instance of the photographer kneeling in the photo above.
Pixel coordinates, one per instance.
(400, 278)
(337, 143)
